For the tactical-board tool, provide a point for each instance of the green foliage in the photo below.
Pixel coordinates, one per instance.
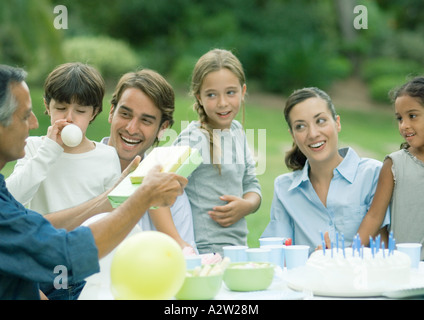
(28, 38)
(183, 67)
(306, 64)
(410, 46)
(384, 74)
(381, 86)
(110, 56)
(283, 44)
(377, 67)
(266, 35)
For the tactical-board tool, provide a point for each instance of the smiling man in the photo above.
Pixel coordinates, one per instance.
(142, 108)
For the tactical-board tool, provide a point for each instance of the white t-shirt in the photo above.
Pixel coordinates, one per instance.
(47, 179)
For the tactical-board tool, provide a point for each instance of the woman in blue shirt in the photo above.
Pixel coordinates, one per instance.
(330, 189)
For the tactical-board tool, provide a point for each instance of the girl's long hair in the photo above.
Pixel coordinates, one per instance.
(213, 60)
(414, 89)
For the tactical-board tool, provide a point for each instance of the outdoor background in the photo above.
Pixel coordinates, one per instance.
(282, 44)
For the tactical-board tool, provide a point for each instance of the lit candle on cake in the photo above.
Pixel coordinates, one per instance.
(377, 243)
(323, 242)
(337, 241)
(391, 245)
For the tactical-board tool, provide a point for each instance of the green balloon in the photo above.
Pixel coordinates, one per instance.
(149, 265)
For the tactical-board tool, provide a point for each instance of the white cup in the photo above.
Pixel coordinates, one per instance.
(271, 241)
(276, 254)
(258, 254)
(193, 262)
(413, 250)
(296, 256)
(235, 253)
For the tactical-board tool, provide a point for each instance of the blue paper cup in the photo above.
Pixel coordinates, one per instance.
(413, 250)
(271, 241)
(276, 254)
(193, 262)
(258, 254)
(296, 256)
(235, 253)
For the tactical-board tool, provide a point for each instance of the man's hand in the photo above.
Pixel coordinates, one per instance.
(163, 187)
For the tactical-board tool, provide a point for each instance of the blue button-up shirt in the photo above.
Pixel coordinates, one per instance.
(298, 213)
(31, 248)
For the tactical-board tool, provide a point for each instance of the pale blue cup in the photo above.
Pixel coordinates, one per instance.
(413, 250)
(235, 253)
(193, 262)
(258, 254)
(296, 256)
(271, 241)
(276, 254)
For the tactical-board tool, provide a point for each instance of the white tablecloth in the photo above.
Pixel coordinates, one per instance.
(98, 287)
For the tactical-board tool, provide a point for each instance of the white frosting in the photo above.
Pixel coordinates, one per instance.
(350, 273)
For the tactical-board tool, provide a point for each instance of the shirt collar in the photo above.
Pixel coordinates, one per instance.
(347, 168)
(105, 140)
(300, 176)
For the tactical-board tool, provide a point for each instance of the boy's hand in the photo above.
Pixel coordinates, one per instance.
(53, 132)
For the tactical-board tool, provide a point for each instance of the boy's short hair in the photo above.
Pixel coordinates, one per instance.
(75, 82)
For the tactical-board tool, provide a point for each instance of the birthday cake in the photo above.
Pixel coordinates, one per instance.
(352, 272)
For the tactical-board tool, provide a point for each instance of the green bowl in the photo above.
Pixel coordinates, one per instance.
(243, 277)
(200, 287)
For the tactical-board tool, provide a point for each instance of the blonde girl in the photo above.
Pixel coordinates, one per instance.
(224, 189)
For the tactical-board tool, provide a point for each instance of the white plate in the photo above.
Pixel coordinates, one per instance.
(414, 288)
(339, 294)
(405, 293)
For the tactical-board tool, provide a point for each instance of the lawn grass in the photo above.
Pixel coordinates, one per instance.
(372, 133)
